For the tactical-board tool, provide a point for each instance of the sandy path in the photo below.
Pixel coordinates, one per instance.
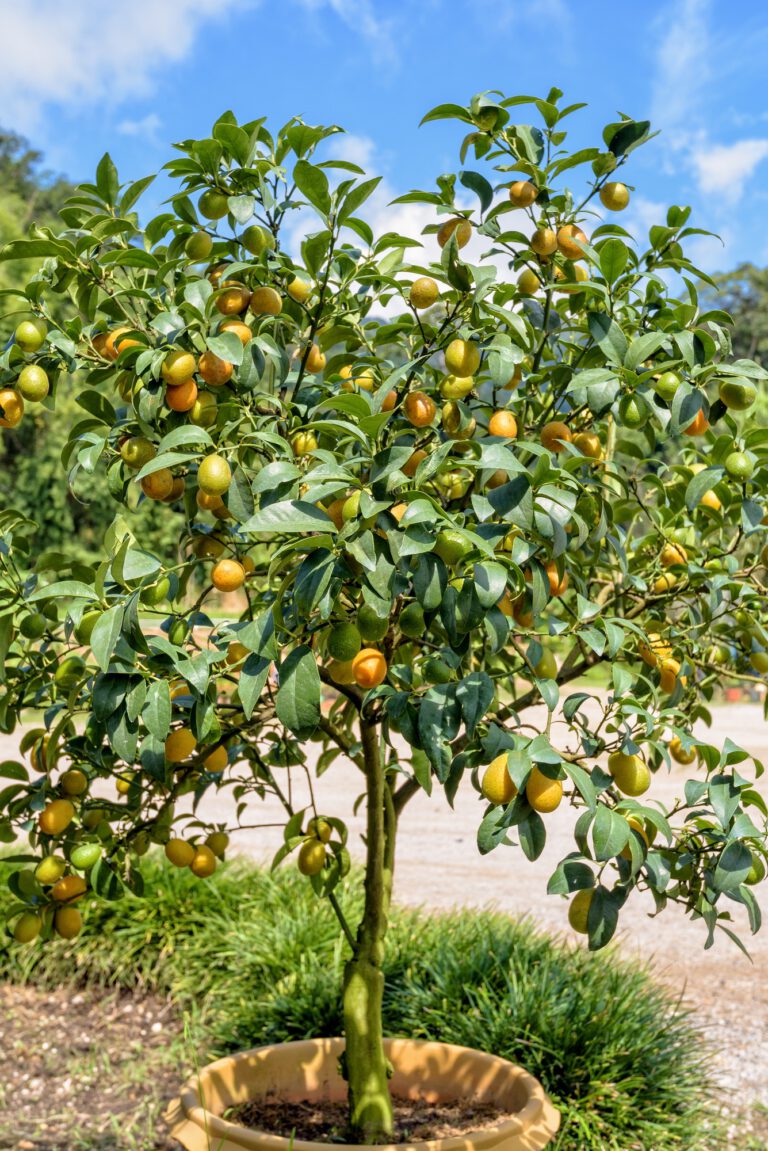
(438, 866)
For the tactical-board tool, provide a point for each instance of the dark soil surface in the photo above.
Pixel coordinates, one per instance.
(325, 1122)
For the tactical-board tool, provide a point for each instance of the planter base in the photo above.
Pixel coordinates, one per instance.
(308, 1069)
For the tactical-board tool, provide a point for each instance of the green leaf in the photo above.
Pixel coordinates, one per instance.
(290, 516)
(643, 347)
(107, 183)
(63, 589)
(608, 335)
(312, 182)
(447, 112)
(701, 483)
(105, 635)
(475, 694)
(156, 712)
(571, 874)
(733, 867)
(357, 196)
(227, 346)
(480, 186)
(610, 833)
(533, 835)
(614, 256)
(298, 698)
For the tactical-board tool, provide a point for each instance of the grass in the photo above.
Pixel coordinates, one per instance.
(253, 958)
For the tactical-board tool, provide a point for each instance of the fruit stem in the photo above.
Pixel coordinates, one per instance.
(365, 1064)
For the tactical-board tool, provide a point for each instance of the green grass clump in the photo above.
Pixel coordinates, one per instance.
(256, 958)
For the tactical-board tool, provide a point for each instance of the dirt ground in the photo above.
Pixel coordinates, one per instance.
(438, 866)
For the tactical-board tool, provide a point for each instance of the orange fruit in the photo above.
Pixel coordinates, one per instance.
(228, 575)
(410, 465)
(523, 193)
(568, 239)
(176, 492)
(181, 397)
(56, 816)
(503, 423)
(557, 583)
(697, 426)
(419, 409)
(69, 888)
(203, 862)
(672, 554)
(111, 351)
(655, 649)
(552, 433)
(460, 226)
(158, 485)
(233, 299)
(11, 408)
(217, 759)
(215, 371)
(588, 444)
(389, 401)
(369, 668)
(99, 343)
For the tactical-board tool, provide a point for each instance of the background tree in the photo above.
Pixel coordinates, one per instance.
(443, 539)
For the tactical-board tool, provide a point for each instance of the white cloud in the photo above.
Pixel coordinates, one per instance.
(147, 127)
(86, 52)
(361, 17)
(723, 169)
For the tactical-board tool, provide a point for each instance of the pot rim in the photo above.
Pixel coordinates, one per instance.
(188, 1111)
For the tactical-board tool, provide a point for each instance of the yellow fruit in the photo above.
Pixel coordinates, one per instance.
(304, 443)
(578, 910)
(217, 759)
(630, 773)
(655, 649)
(266, 302)
(203, 415)
(178, 366)
(497, 785)
(681, 754)
(179, 852)
(664, 583)
(544, 241)
(588, 444)
(543, 794)
(56, 816)
(461, 227)
(30, 334)
(669, 675)
(27, 927)
(11, 408)
(218, 842)
(137, 451)
(614, 196)
(672, 554)
(69, 888)
(67, 922)
(299, 289)
(311, 857)
(711, 500)
(523, 193)
(569, 239)
(204, 862)
(74, 782)
(424, 293)
(369, 668)
(179, 745)
(341, 671)
(315, 359)
(233, 299)
(456, 387)
(528, 282)
(241, 330)
(33, 383)
(462, 357)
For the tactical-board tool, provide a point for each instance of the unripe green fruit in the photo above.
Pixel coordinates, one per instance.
(33, 626)
(177, 632)
(311, 857)
(546, 667)
(344, 641)
(214, 475)
(69, 672)
(30, 335)
(33, 383)
(437, 671)
(137, 451)
(84, 629)
(666, 385)
(411, 621)
(27, 927)
(257, 240)
(756, 871)
(351, 506)
(737, 395)
(85, 855)
(320, 828)
(739, 466)
(370, 625)
(451, 546)
(213, 205)
(155, 594)
(199, 246)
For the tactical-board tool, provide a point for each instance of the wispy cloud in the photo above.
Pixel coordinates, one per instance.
(724, 169)
(361, 16)
(147, 127)
(682, 65)
(76, 54)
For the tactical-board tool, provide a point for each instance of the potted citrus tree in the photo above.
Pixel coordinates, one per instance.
(488, 512)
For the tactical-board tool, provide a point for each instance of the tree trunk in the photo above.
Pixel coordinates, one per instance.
(365, 1065)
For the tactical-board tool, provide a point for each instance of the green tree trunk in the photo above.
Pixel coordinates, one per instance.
(365, 1065)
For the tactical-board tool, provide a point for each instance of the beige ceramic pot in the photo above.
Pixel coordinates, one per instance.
(309, 1070)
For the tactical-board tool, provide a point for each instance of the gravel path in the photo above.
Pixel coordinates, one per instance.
(438, 866)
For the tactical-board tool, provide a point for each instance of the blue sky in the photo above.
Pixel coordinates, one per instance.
(131, 76)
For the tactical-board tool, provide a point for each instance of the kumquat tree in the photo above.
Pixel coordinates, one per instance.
(443, 492)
